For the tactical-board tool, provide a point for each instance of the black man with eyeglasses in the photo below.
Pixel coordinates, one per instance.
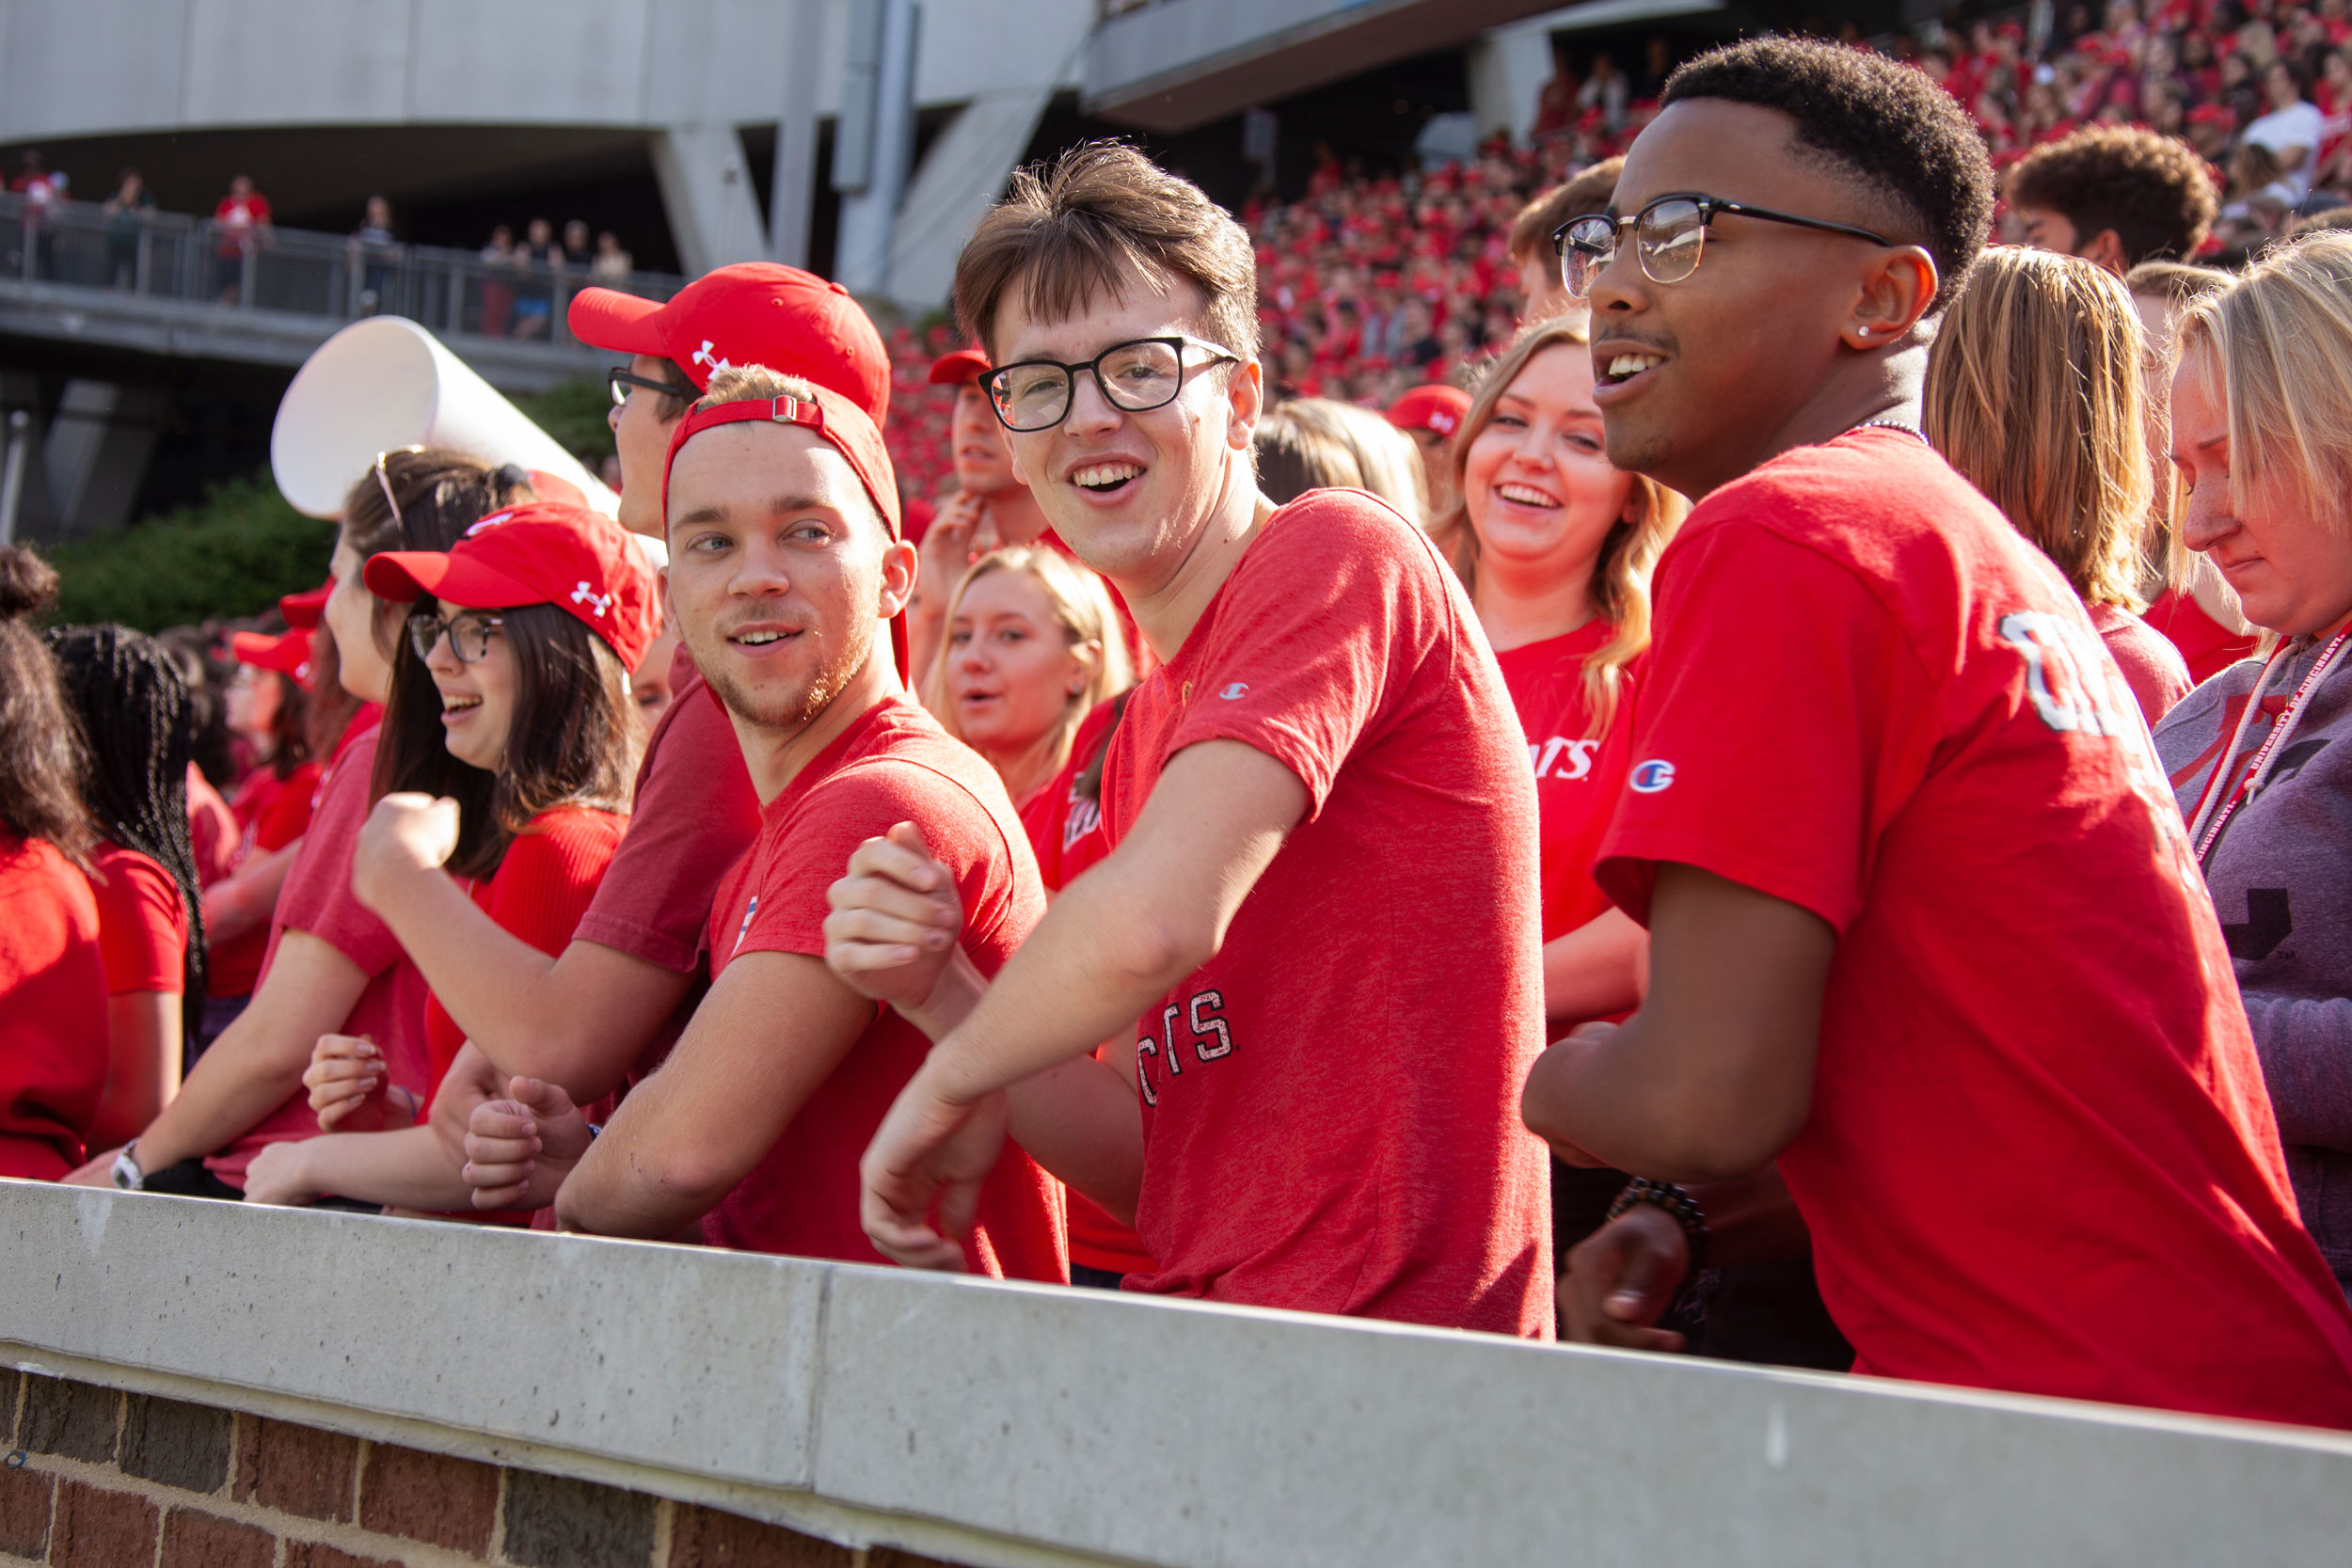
(1927, 944)
(1318, 916)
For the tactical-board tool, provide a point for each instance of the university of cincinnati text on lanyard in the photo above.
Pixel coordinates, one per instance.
(2214, 812)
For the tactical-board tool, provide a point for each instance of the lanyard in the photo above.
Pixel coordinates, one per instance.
(2207, 835)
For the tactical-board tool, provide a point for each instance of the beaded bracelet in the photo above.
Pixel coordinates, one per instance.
(1675, 1202)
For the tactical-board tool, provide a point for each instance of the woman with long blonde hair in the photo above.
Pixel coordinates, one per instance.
(1556, 547)
(1032, 646)
(2035, 394)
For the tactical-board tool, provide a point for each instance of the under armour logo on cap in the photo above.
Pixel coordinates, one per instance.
(491, 521)
(596, 602)
(704, 355)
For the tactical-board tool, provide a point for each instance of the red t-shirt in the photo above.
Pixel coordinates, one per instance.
(317, 898)
(2041, 1157)
(1064, 831)
(281, 815)
(538, 893)
(52, 1010)
(212, 830)
(894, 764)
(2152, 667)
(2207, 646)
(1579, 775)
(695, 815)
(142, 922)
(1300, 1149)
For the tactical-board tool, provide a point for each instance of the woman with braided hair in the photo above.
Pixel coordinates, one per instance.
(133, 706)
(53, 983)
(332, 967)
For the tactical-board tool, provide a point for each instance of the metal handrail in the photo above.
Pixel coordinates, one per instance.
(176, 256)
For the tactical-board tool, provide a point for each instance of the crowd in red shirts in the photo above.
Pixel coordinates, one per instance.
(1716, 860)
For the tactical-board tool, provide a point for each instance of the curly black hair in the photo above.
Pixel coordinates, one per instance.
(1885, 124)
(2152, 189)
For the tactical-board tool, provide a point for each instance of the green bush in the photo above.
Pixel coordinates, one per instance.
(233, 553)
(574, 413)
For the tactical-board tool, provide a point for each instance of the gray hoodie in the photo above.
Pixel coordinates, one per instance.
(2281, 882)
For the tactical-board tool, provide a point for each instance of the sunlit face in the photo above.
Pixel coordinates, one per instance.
(779, 571)
(1011, 669)
(252, 702)
(1130, 492)
(2292, 573)
(350, 614)
(978, 445)
(477, 699)
(2047, 228)
(1538, 486)
(1543, 289)
(643, 436)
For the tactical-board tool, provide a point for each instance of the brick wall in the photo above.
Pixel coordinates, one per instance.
(96, 1479)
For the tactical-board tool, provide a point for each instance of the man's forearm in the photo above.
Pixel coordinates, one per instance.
(1619, 1100)
(606, 1195)
(1081, 1121)
(496, 986)
(407, 1169)
(1594, 970)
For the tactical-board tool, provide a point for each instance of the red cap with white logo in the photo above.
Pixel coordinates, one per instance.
(752, 313)
(574, 559)
(1435, 406)
(288, 653)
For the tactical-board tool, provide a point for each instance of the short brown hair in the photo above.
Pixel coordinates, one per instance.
(1587, 192)
(2152, 189)
(1065, 233)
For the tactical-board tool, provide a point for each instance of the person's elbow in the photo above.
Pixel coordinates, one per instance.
(654, 1194)
(1723, 1136)
(1161, 942)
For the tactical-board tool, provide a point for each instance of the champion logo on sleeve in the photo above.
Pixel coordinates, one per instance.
(1234, 690)
(1648, 778)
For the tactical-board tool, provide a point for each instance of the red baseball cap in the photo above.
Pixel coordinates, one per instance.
(544, 552)
(954, 370)
(751, 313)
(302, 611)
(1436, 407)
(288, 653)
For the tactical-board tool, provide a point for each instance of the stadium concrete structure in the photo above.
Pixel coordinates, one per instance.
(897, 122)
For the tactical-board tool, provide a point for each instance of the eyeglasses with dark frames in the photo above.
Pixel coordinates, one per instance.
(1134, 377)
(469, 634)
(1668, 235)
(620, 381)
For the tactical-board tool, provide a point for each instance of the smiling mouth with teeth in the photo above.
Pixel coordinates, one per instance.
(1526, 496)
(459, 704)
(1624, 367)
(759, 638)
(1103, 478)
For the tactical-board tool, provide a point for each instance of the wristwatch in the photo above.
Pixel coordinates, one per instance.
(127, 1174)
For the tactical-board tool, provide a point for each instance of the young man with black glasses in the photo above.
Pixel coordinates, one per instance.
(1925, 929)
(1319, 913)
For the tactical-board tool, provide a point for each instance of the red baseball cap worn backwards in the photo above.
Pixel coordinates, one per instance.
(956, 368)
(287, 653)
(839, 423)
(1435, 406)
(752, 313)
(544, 552)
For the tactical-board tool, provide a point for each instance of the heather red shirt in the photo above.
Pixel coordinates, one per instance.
(1331, 1103)
(1579, 775)
(1064, 831)
(2152, 667)
(317, 898)
(2039, 1156)
(695, 815)
(2207, 646)
(52, 1010)
(281, 815)
(894, 764)
(142, 922)
(539, 892)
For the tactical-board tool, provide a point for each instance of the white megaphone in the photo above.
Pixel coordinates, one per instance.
(386, 383)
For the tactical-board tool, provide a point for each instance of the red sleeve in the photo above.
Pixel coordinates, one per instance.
(550, 875)
(1316, 634)
(814, 841)
(1783, 720)
(142, 924)
(695, 815)
(317, 896)
(288, 814)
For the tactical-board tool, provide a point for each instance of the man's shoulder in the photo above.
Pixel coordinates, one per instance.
(1321, 521)
(903, 768)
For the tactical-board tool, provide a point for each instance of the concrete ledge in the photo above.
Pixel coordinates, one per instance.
(1010, 1424)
